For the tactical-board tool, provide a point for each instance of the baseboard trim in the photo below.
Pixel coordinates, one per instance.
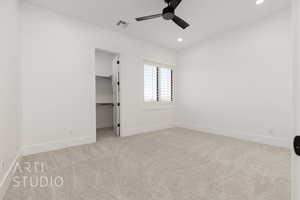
(4, 184)
(141, 130)
(269, 140)
(55, 145)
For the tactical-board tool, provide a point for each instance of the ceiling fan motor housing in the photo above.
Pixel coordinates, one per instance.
(168, 13)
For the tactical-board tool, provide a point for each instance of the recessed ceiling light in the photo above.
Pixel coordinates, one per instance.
(179, 39)
(258, 2)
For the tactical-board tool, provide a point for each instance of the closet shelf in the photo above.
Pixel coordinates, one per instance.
(104, 76)
(104, 100)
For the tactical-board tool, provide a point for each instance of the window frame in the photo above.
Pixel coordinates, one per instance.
(165, 104)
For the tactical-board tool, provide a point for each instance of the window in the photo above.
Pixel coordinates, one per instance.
(158, 83)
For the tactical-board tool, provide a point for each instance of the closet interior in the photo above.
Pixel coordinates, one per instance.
(107, 94)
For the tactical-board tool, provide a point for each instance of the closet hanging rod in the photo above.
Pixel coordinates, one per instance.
(105, 104)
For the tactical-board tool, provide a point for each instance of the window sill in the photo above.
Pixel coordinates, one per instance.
(158, 106)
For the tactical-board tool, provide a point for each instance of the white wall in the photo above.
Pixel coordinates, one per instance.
(103, 63)
(239, 83)
(58, 81)
(10, 137)
(295, 167)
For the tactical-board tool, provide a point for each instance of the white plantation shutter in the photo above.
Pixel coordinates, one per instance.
(158, 83)
(150, 83)
(165, 84)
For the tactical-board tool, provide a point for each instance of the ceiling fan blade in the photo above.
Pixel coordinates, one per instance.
(148, 17)
(180, 22)
(175, 3)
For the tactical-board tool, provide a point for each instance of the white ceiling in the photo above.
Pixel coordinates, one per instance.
(206, 17)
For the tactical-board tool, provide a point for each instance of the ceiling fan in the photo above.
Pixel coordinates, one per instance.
(168, 13)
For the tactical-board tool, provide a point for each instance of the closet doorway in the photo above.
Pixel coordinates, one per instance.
(107, 93)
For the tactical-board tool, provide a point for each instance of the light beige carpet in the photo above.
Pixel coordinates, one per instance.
(174, 164)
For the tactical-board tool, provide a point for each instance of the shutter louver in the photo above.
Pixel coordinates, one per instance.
(150, 83)
(165, 84)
